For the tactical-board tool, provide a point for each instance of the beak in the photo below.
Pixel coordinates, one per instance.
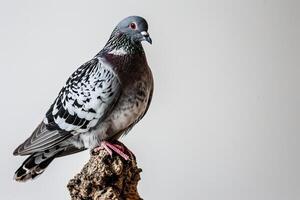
(146, 36)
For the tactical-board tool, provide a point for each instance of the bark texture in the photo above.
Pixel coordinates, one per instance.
(106, 178)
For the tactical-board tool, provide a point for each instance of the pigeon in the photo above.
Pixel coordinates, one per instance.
(100, 102)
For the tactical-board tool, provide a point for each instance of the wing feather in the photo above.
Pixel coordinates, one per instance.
(41, 139)
(88, 96)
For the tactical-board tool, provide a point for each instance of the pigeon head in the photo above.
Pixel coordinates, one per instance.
(126, 38)
(135, 28)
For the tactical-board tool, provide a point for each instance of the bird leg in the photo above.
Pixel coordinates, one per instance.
(109, 147)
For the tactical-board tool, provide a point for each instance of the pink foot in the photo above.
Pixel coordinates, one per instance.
(109, 147)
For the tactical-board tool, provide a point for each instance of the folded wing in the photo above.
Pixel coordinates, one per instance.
(83, 103)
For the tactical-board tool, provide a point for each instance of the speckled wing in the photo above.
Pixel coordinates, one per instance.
(88, 96)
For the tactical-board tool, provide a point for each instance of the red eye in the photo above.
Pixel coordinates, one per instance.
(132, 25)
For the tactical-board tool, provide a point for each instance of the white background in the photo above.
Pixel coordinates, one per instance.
(224, 121)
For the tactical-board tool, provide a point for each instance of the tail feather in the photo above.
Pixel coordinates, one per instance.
(36, 163)
(34, 166)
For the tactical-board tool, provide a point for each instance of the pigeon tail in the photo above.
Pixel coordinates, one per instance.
(33, 166)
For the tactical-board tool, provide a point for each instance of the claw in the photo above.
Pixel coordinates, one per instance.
(119, 149)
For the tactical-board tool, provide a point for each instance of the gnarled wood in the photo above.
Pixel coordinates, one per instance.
(106, 178)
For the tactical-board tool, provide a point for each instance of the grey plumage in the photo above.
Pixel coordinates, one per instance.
(102, 100)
